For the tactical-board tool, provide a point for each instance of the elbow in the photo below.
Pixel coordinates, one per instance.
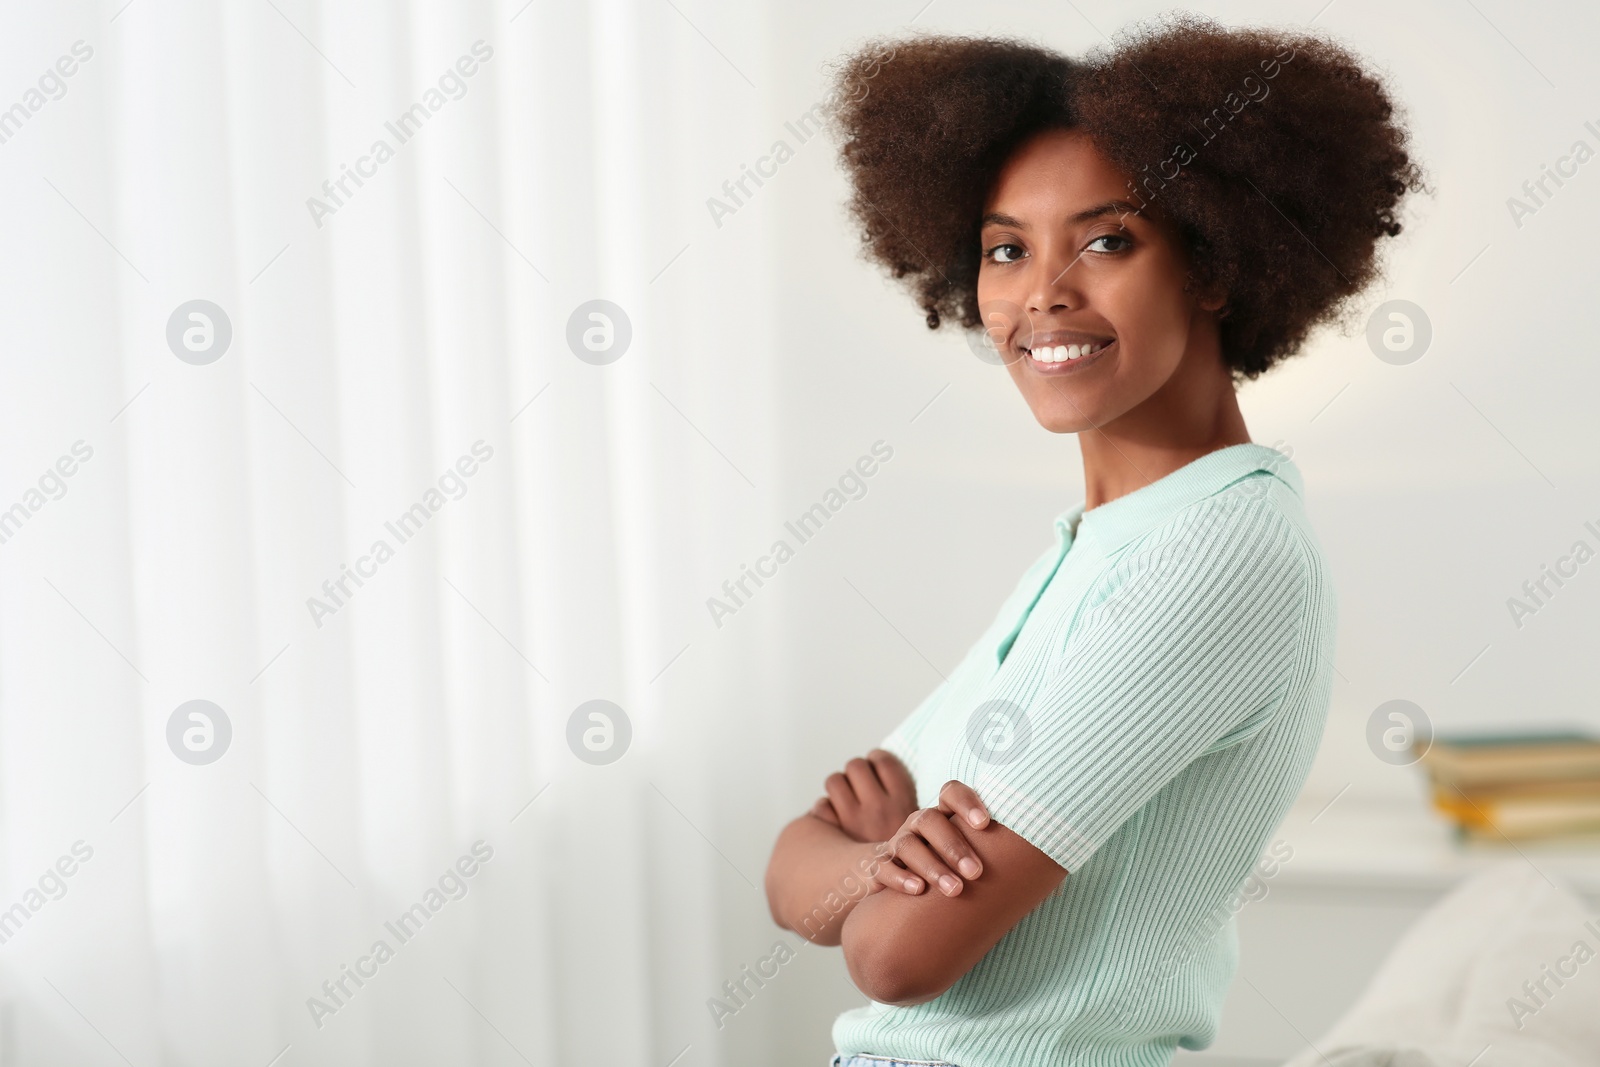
(817, 925)
(887, 975)
(890, 983)
(774, 883)
(777, 906)
(774, 907)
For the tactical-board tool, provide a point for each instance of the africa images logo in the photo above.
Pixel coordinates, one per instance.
(337, 191)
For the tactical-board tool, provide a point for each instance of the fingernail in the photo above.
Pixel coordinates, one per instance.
(975, 816)
(969, 866)
(949, 884)
(913, 884)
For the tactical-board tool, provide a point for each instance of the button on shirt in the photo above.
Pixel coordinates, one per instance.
(1143, 709)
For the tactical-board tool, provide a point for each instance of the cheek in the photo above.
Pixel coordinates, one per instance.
(992, 296)
(1150, 312)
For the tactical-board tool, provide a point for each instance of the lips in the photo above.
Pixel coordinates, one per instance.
(1063, 353)
(1055, 352)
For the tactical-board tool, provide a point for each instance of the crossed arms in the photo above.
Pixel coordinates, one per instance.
(914, 896)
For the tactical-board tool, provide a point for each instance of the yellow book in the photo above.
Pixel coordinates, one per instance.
(1520, 815)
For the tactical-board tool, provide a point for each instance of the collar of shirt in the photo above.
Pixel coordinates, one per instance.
(1115, 523)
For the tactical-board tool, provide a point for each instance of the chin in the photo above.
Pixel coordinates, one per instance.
(1063, 421)
(1060, 418)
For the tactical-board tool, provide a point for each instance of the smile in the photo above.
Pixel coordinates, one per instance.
(1061, 358)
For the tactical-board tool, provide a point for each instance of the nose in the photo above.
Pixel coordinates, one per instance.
(1054, 282)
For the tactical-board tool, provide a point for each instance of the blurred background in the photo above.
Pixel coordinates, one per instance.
(396, 458)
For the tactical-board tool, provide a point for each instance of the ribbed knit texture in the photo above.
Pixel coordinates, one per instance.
(1144, 709)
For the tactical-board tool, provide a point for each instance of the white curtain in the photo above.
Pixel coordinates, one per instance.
(379, 338)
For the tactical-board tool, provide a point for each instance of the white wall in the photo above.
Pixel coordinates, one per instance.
(590, 148)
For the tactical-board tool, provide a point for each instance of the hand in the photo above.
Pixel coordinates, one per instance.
(931, 838)
(870, 798)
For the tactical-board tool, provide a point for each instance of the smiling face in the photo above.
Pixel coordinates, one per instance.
(1085, 299)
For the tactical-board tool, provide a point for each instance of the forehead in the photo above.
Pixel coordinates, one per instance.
(1054, 174)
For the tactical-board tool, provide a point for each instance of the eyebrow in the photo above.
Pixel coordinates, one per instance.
(1110, 207)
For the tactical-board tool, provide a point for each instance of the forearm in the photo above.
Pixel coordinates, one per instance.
(886, 958)
(816, 876)
(909, 948)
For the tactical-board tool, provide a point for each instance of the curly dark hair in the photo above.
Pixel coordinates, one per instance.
(1275, 156)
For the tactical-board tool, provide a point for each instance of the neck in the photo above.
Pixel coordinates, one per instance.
(1195, 412)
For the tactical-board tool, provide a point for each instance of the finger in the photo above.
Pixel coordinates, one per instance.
(896, 779)
(890, 875)
(842, 794)
(863, 778)
(823, 809)
(914, 852)
(945, 837)
(958, 798)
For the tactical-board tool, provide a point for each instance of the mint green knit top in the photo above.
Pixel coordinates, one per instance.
(1143, 710)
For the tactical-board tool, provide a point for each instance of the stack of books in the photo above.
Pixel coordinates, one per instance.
(1516, 786)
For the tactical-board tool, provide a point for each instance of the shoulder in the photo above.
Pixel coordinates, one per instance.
(1245, 547)
(1256, 522)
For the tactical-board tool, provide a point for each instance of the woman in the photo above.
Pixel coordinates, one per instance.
(1055, 838)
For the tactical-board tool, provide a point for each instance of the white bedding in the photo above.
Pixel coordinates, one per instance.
(1503, 972)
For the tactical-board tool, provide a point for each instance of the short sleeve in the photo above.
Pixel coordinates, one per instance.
(1188, 646)
(903, 739)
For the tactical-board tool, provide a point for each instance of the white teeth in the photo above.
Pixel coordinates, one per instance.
(1063, 353)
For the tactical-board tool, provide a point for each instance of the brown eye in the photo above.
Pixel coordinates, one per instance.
(1123, 247)
(1008, 250)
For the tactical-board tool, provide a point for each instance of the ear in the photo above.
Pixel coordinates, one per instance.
(1212, 298)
